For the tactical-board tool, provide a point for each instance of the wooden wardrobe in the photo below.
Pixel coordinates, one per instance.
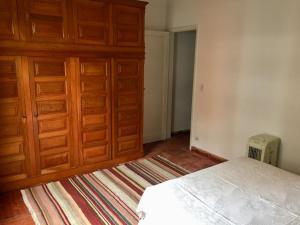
(71, 87)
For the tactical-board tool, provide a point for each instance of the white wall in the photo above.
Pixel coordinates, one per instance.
(248, 61)
(156, 15)
(184, 58)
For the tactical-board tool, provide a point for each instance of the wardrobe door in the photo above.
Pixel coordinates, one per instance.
(8, 20)
(46, 20)
(95, 110)
(13, 141)
(128, 22)
(91, 21)
(50, 81)
(128, 105)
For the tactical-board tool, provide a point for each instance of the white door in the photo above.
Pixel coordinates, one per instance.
(156, 85)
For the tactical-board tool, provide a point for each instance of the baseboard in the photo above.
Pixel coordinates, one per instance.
(211, 156)
(180, 132)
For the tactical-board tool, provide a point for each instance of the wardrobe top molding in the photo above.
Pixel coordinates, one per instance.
(72, 26)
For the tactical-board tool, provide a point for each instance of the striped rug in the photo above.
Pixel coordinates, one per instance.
(108, 196)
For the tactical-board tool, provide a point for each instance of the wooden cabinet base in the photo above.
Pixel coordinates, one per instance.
(29, 182)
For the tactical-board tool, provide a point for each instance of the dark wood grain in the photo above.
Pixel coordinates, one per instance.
(13, 121)
(71, 87)
(9, 26)
(95, 110)
(128, 106)
(51, 96)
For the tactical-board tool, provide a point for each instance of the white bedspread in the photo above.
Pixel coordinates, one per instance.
(242, 191)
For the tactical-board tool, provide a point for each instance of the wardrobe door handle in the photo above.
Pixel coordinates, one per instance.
(12, 28)
(24, 119)
(33, 29)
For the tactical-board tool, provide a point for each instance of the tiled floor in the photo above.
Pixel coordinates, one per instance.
(176, 149)
(13, 210)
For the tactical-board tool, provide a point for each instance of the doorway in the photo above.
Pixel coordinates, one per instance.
(182, 82)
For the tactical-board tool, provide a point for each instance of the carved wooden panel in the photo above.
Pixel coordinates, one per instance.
(46, 88)
(57, 162)
(128, 86)
(95, 120)
(51, 125)
(9, 28)
(51, 106)
(91, 21)
(46, 20)
(61, 115)
(13, 141)
(51, 99)
(10, 149)
(12, 171)
(128, 25)
(49, 143)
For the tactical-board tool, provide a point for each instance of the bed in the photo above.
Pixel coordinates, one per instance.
(241, 191)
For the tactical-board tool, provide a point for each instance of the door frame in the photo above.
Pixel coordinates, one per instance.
(173, 31)
(165, 79)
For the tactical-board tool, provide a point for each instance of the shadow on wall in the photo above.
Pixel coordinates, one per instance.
(267, 90)
(290, 97)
